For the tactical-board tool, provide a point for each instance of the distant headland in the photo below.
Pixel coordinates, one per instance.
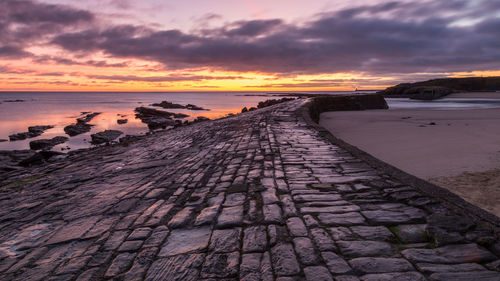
(441, 87)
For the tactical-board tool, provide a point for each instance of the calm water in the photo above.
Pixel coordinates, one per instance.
(61, 109)
(443, 104)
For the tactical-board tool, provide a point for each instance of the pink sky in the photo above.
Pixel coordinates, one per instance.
(243, 45)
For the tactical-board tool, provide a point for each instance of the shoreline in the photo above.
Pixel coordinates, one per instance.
(200, 197)
(451, 148)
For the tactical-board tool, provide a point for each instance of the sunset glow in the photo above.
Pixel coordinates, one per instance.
(251, 46)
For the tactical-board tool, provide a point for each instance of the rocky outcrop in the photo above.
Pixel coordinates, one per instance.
(417, 92)
(14, 101)
(201, 118)
(78, 128)
(105, 136)
(9, 159)
(195, 107)
(88, 117)
(443, 87)
(81, 125)
(122, 121)
(33, 131)
(157, 119)
(40, 158)
(167, 104)
(47, 143)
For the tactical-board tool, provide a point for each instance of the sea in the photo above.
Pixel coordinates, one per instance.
(19, 110)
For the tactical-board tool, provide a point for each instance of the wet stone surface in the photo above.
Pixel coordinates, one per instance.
(259, 196)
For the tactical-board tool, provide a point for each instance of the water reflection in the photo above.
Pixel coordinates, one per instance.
(443, 104)
(62, 109)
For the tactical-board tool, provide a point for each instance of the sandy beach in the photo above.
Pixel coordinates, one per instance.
(456, 149)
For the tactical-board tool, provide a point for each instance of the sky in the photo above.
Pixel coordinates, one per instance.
(247, 45)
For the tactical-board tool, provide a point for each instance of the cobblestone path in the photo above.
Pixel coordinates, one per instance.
(260, 196)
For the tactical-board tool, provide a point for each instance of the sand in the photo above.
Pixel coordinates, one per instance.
(460, 152)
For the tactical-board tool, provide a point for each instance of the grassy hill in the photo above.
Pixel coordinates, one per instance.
(445, 86)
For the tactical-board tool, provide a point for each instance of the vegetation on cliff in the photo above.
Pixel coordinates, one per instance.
(444, 86)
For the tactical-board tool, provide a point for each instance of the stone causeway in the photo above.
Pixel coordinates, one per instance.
(259, 196)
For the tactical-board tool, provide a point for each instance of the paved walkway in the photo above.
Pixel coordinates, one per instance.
(260, 196)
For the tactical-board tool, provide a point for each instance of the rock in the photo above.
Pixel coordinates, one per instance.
(365, 248)
(244, 109)
(194, 107)
(255, 239)
(14, 101)
(122, 121)
(284, 260)
(19, 136)
(221, 265)
(394, 276)
(335, 263)
(305, 250)
(155, 119)
(33, 131)
(9, 159)
(230, 216)
(459, 276)
(181, 267)
(379, 233)
(448, 229)
(427, 92)
(167, 104)
(81, 125)
(201, 118)
(380, 265)
(183, 241)
(411, 233)
(225, 240)
(464, 253)
(395, 216)
(39, 129)
(347, 219)
(87, 118)
(317, 273)
(158, 123)
(39, 158)
(433, 267)
(47, 143)
(3, 140)
(180, 115)
(78, 128)
(105, 136)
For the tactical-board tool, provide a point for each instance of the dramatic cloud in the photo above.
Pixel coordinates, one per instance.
(386, 38)
(13, 52)
(170, 78)
(382, 38)
(59, 60)
(22, 22)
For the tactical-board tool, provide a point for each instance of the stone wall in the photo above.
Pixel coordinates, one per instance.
(345, 102)
(311, 112)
